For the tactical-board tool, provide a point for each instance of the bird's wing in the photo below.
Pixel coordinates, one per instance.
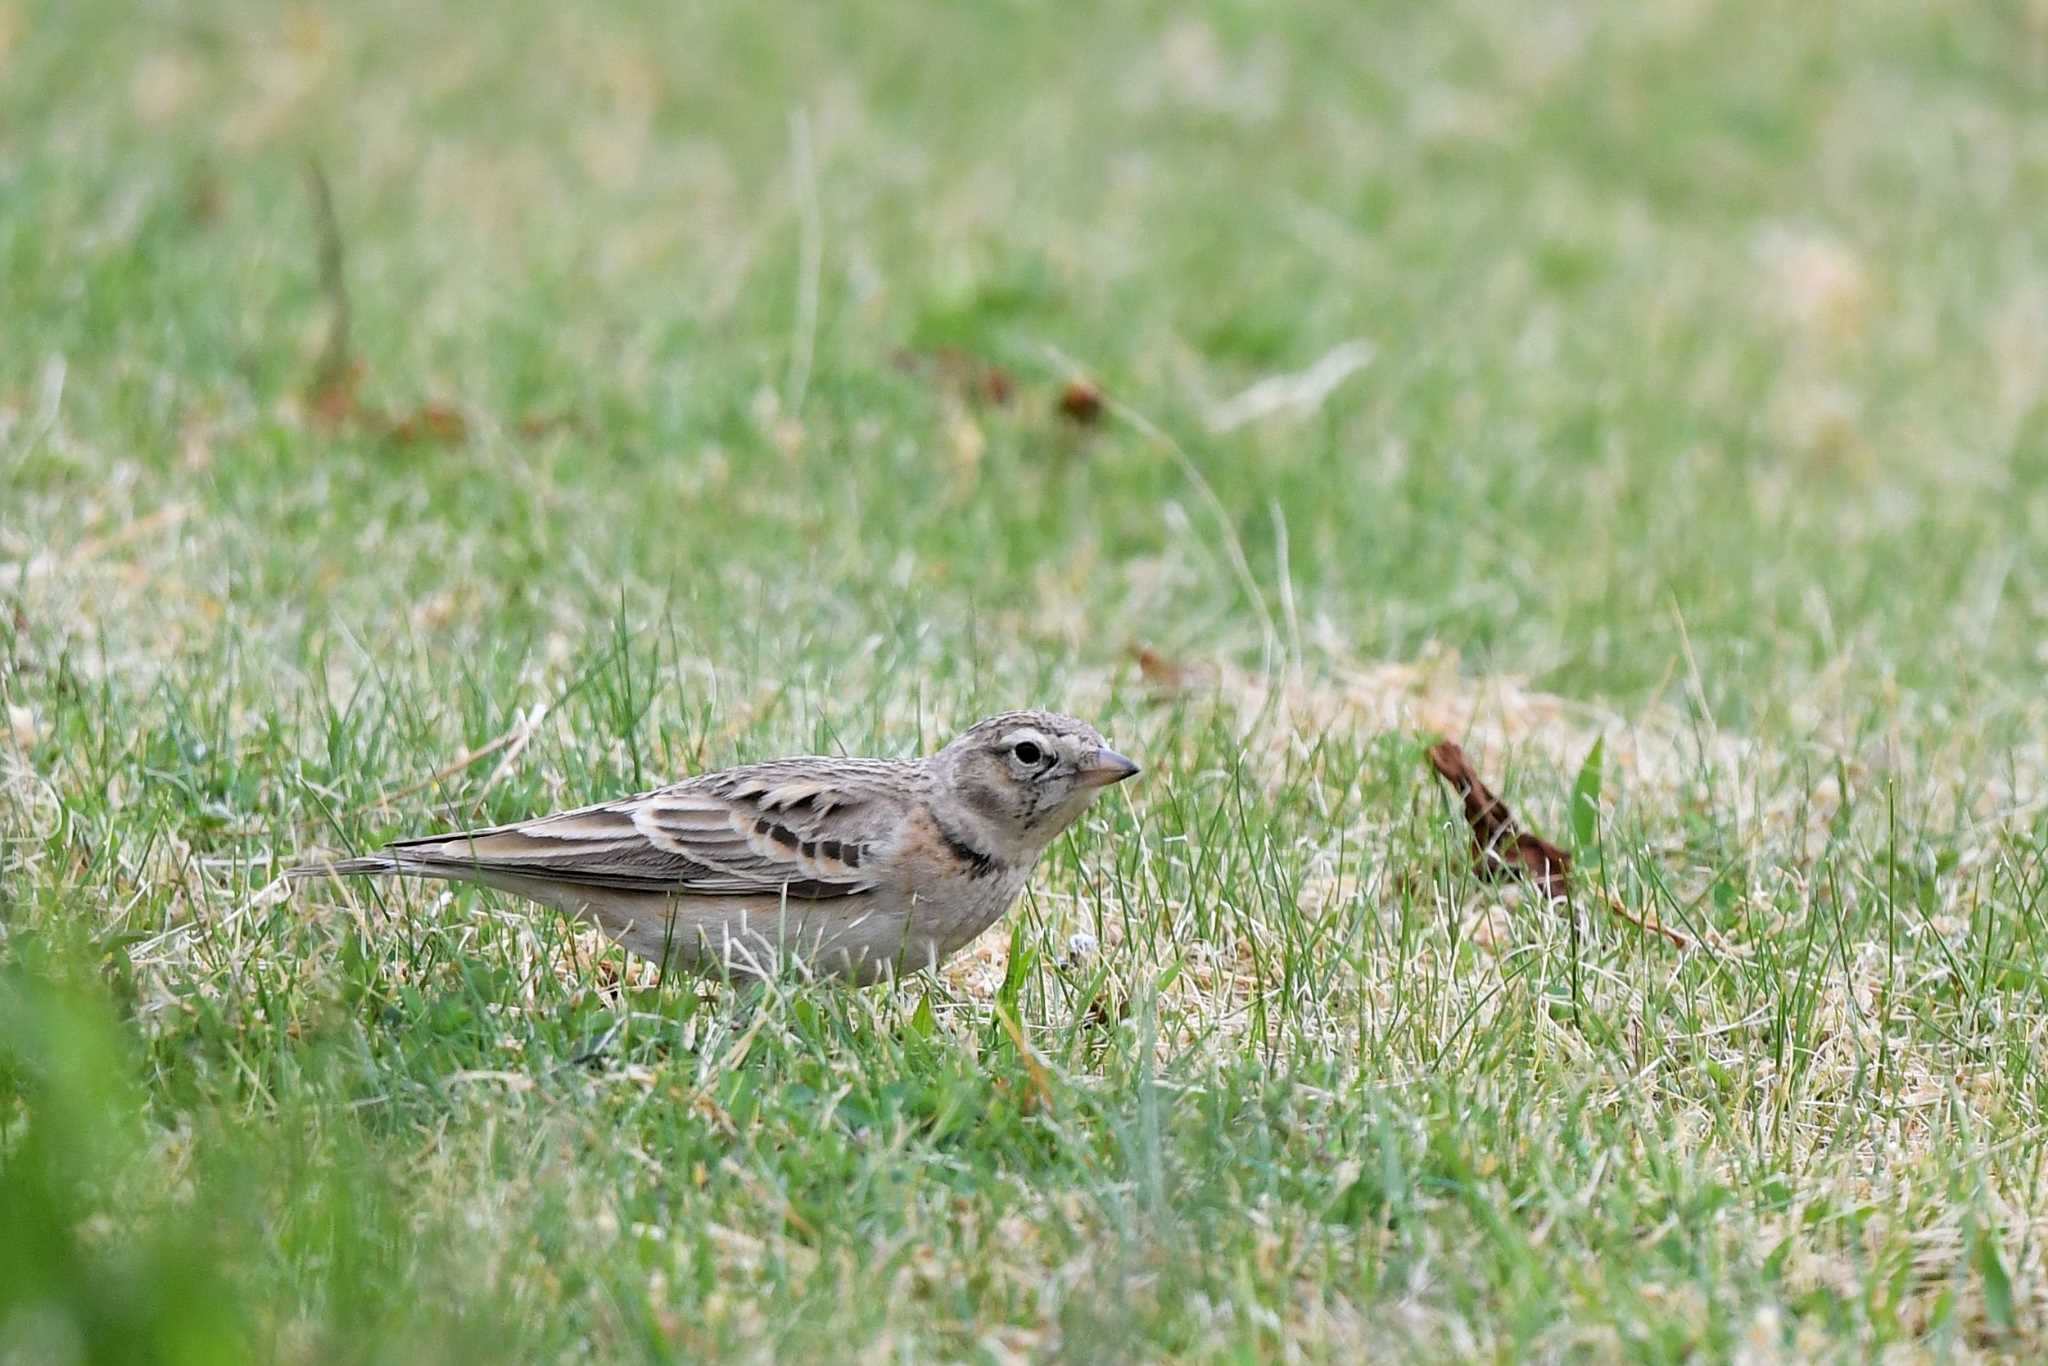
(802, 828)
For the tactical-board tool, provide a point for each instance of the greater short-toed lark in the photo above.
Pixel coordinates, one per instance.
(852, 867)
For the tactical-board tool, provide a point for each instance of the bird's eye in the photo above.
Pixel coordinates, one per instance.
(1028, 754)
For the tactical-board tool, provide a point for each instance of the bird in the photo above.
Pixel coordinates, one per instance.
(859, 869)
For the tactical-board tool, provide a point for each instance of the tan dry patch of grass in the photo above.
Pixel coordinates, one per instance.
(1658, 758)
(1498, 720)
(1900, 1222)
(119, 583)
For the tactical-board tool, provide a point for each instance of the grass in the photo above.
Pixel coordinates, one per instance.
(1705, 419)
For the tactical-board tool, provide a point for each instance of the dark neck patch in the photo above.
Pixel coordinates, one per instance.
(979, 864)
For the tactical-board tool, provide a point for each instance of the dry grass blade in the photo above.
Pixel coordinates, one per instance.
(169, 515)
(1649, 923)
(1034, 1068)
(516, 739)
(332, 395)
(519, 737)
(1295, 395)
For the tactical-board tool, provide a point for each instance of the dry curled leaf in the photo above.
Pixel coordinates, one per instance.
(439, 424)
(1082, 402)
(997, 386)
(331, 402)
(1500, 847)
(1167, 676)
(961, 371)
(1160, 671)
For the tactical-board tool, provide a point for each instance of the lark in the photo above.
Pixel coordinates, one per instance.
(856, 868)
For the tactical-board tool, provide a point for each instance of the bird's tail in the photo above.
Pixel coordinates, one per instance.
(348, 867)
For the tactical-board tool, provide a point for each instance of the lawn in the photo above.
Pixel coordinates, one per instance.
(415, 415)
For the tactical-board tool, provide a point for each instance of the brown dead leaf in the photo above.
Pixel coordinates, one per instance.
(431, 423)
(1500, 847)
(960, 371)
(1168, 676)
(1159, 671)
(997, 386)
(1542, 862)
(1082, 402)
(331, 402)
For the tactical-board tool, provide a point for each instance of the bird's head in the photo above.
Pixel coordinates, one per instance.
(1025, 776)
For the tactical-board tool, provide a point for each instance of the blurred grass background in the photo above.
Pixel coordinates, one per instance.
(1709, 350)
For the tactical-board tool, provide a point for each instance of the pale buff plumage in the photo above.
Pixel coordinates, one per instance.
(850, 867)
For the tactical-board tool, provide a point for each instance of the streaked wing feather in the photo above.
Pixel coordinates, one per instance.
(799, 828)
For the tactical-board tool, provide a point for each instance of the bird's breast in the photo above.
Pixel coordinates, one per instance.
(952, 888)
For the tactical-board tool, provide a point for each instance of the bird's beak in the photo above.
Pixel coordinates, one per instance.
(1105, 768)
